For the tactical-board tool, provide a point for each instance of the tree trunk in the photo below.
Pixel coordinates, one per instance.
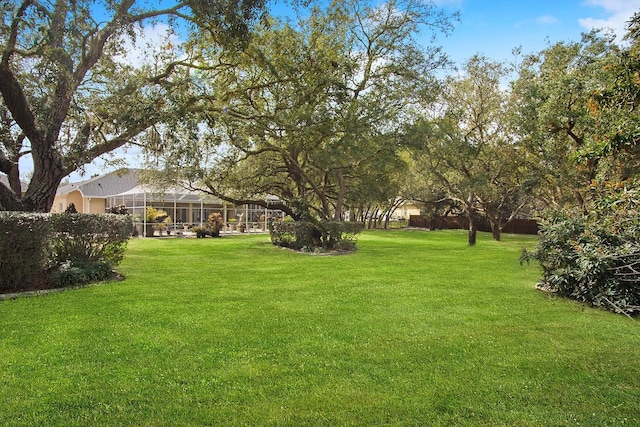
(473, 227)
(39, 195)
(47, 175)
(494, 221)
(342, 191)
(473, 231)
(496, 231)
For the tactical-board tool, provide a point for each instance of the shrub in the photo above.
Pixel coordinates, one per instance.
(24, 249)
(594, 257)
(308, 236)
(86, 238)
(41, 250)
(215, 223)
(201, 231)
(341, 235)
(79, 273)
(294, 234)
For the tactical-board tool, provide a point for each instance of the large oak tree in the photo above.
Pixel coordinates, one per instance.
(309, 109)
(553, 117)
(67, 97)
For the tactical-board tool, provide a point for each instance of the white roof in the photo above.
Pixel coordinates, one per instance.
(172, 194)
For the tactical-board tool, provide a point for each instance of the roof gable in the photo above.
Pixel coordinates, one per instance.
(105, 185)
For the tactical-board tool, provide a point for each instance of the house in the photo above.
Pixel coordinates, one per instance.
(182, 208)
(92, 195)
(405, 210)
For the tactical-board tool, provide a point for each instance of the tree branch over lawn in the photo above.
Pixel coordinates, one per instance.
(314, 105)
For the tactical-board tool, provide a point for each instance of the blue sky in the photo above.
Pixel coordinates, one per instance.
(495, 27)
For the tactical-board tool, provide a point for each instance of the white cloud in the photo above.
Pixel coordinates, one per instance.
(547, 19)
(618, 11)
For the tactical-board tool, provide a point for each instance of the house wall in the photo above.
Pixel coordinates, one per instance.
(94, 205)
(405, 211)
(82, 204)
(61, 202)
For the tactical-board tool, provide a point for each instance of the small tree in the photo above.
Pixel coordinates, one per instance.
(215, 223)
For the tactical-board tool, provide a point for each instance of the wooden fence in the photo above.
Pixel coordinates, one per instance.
(517, 226)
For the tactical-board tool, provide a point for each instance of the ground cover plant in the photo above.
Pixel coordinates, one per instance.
(414, 328)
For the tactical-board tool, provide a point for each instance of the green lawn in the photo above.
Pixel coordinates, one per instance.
(415, 328)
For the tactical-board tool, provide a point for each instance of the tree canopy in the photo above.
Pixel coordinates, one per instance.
(335, 109)
(67, 97)
(307, 111)
(466, 148)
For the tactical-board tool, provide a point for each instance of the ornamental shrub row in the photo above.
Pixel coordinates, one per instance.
(53, 250)
(594, 257)
(308, 236)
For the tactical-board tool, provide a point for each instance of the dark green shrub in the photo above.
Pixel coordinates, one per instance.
(24, 249)
(38, 250)
(96, 271)
(69, 274)
(83, 238)
(592, 257)
(341, 235)
(294, 234)
(309, 236)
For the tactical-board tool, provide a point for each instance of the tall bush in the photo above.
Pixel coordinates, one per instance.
(594, 257)
(86, 238)
(24, 249)
(52, 250)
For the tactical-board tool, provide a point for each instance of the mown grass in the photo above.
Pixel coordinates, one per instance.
(415, 328)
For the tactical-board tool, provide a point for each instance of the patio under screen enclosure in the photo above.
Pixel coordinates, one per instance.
(187, 208)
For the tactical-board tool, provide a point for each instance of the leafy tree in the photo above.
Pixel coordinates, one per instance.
(67, 99)
(467, 150)
(552, 115)
(306, 110)
(614, 107)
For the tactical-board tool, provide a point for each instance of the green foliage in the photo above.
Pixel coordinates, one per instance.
(90, 237)
(591, 257)
(294, 234)
(23, 248)
(614, 106)
(310, 110)
(341, 235)
(80, 273)
(67, 88)
(200, 231)
(309, 236)
(152, 214)
(67, 276)
(72, 248)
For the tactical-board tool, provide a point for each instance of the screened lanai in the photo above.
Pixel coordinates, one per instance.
(189, 208)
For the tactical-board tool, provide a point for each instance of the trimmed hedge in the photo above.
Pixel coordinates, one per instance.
(24, 248)
(595, 257)
(52, 250)
(307, 236)
(86, 238)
